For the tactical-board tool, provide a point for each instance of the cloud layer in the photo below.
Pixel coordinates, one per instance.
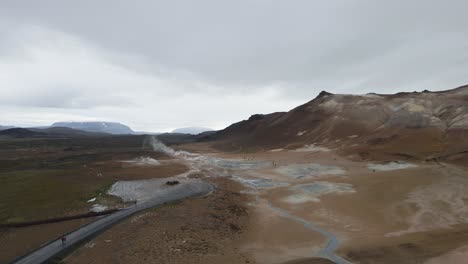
(158, 65)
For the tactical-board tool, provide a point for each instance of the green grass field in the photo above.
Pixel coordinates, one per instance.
(37, 194)
(43, 178)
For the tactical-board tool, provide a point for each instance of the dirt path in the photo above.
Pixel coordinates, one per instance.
(329, 250)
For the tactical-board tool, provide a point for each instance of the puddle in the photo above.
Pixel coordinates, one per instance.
(394, 165)
(300, 171)
(311, 192)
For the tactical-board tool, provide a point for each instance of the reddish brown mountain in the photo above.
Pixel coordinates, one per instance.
(419, 124)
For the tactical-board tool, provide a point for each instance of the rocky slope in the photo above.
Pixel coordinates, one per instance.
(419, 124)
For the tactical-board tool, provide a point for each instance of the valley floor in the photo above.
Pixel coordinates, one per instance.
(380, 212)
(308, 205)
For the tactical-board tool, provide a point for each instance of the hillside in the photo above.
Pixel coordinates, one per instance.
(419, 125)
(101, 127)
(20, 133)
(51, 132)
(5, 127)
(67, 132)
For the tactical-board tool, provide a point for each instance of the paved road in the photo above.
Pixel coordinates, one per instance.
(53, 248)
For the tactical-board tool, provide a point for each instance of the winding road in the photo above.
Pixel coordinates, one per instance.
(53, 248)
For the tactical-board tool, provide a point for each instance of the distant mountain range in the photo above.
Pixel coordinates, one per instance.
(87, 129)
(50, 132)
(100, 127)
(191, 130)
(5, 127)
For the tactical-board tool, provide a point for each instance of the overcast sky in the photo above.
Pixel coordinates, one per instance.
(159, 65)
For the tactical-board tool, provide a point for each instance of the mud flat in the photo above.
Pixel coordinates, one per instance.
(239, 164)
(144, 190)
(255, 174)
(297, 215)
(260, 183)
(300, 171)
(311, 192)
(360, 203)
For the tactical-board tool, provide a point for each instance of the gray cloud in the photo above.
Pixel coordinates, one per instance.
(92, 56)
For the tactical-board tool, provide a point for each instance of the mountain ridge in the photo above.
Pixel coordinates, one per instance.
(433, 121)
(97, 126)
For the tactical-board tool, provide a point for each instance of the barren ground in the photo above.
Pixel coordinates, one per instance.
(41, 179)
(388, 211)
(198, 230)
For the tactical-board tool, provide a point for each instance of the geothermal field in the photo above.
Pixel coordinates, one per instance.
(314, 206)
(234, 132)
(304, 186)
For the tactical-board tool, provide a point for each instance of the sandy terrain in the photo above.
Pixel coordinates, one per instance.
(392, 207)
(307, 206)
(459, 255)
(270, 238)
